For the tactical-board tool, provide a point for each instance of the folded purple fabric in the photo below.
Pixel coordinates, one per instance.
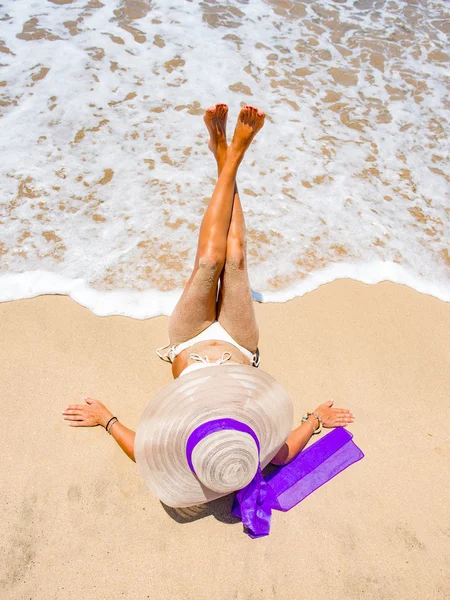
(289, 484)
(313, 467)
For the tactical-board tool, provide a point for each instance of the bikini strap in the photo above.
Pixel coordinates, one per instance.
(166, 356)
(225, 356)
(205, 360)
(256, 358)
(198, 358)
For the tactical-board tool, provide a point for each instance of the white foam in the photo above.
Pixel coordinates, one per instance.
(152, 303)
(105, 170)
(138, 305)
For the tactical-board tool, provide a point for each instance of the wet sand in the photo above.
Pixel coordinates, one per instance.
(78, 522)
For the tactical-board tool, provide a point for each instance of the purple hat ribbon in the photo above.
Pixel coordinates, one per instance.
(287, 485)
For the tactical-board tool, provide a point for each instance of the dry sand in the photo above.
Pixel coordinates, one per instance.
(78, 523)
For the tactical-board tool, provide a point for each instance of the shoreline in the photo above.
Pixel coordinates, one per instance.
(79, 521)
(148, 304)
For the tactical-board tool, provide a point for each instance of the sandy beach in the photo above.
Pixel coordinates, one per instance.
(78, 522)
(104, 180)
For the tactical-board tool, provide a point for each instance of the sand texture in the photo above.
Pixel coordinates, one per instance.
(77, 521)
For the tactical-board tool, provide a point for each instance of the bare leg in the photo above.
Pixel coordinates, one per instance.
(235, 310)
(196, 308)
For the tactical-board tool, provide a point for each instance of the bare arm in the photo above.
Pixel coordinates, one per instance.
(297, 440)
(95, 413)
(125, 438)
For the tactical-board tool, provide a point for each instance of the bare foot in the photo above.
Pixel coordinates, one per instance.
(250, 121)
(216, 121)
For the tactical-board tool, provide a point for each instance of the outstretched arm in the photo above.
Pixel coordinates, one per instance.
(297, 440)
(95, 413)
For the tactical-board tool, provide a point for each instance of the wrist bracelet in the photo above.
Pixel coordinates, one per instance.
(106, 426)
(110, 423)
(306, 416)
(319, 426)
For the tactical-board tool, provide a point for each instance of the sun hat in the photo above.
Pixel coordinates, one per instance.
(210, 432)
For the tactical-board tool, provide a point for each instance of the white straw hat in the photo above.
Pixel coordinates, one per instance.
(225, 460)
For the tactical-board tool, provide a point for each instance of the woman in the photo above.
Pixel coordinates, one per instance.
(213, 346)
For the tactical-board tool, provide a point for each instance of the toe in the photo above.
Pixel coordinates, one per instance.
(222, 109)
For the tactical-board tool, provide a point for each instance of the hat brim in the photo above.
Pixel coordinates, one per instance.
(239, 392)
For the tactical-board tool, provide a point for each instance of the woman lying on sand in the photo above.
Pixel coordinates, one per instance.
(211, 430)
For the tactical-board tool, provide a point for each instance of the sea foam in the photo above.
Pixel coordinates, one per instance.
(105, 171)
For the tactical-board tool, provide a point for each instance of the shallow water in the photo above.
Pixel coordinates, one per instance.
(105, 170)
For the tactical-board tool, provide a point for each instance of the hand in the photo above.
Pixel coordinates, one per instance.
(80, 415)
(334, 417)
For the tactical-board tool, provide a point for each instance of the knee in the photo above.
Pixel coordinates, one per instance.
(236, 252)
(211, 260)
